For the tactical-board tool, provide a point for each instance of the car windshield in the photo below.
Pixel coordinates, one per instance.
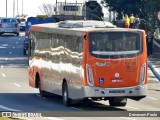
(8, 20)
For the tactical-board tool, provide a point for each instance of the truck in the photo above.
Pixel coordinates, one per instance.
(33, 21)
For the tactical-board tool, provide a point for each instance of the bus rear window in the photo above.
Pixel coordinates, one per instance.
(107, 44)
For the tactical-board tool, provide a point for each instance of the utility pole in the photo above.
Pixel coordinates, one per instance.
(13, 8)
(17, 7)
(22, 7)
(6, 8)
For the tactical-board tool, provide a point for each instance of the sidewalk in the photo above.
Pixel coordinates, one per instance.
(154, 61)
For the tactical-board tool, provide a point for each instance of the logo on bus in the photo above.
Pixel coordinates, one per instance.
(116, 74)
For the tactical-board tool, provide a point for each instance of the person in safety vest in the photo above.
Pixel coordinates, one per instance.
(126, 21)
(131, 21)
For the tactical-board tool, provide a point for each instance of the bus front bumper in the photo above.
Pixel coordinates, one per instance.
(134, 91)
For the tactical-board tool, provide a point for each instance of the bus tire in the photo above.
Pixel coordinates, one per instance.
(65, 95)
(119, 101)
(41, 92)
(24, 51)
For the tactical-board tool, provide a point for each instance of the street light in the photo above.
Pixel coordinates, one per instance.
(22, 7)
(6, 8)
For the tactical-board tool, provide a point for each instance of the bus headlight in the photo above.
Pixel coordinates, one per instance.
(143, 74)
(90, 79)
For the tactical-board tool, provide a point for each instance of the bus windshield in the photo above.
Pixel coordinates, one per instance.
(107, 44)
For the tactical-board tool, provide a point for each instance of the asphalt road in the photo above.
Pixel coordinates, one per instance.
(17, 96)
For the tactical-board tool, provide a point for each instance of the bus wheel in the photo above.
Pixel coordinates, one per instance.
(66, 100)
(41, 92)
(119, 101)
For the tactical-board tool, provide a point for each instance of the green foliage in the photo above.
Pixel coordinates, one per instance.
(146, 9)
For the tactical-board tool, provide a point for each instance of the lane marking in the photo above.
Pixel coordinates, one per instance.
(6, 58)
(75, 108)
(10, 52)
(53, 118)
(152, 98)
(2, 66)
(19, 38)
(2, 47)
(128, 118)
(17, 84)
(133, 108)
(3, 75)
(5, 45)
(17, 42)
(8, 109)
(14, 47)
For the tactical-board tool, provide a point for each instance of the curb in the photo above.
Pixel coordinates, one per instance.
(153, 67)
(154, 70)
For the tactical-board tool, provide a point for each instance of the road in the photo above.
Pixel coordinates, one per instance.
(16, 95)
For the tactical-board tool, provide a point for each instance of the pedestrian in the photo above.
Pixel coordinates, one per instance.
(149, 39)
(136, 22)
(131, 21)
(126, 21)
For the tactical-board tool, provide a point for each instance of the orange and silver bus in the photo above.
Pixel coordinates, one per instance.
(81, 60)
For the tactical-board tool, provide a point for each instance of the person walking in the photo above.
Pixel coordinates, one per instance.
(126, 21)
(136, 22)
(131, 21)
(149, 39)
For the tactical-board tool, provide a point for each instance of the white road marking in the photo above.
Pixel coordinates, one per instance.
(53, 118)
(17, 84)
(2, 47)
(2, 66)
(19, 38)
(75, 108)
(6, 58)
(10, 52)
(128, 118)
(133, 108)
(8, 109)
(14, 47)
(3, 75)
(17, 42)
(152, 98)
(5, 45)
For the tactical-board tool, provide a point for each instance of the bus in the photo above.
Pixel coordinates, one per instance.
(82, 60)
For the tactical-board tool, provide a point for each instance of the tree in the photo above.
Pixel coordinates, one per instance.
(146, 9)
(47, 9)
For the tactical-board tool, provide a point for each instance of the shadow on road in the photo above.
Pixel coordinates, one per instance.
(33, 102)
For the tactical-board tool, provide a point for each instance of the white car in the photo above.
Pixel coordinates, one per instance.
(22, 23)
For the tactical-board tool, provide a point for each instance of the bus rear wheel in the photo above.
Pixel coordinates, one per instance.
(118, 101)
(65, 95)
(41, 92)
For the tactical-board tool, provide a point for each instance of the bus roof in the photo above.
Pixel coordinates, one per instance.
(78, 27)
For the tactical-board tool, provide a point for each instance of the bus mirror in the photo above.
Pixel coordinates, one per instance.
(85, 37)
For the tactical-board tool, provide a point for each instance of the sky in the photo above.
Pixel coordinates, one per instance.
(30, 7)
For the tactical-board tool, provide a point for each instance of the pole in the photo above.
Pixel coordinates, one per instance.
(22, 7)
(85, 11)
(56, 7)
(17, 7)
(13, 8)
(6, 8)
